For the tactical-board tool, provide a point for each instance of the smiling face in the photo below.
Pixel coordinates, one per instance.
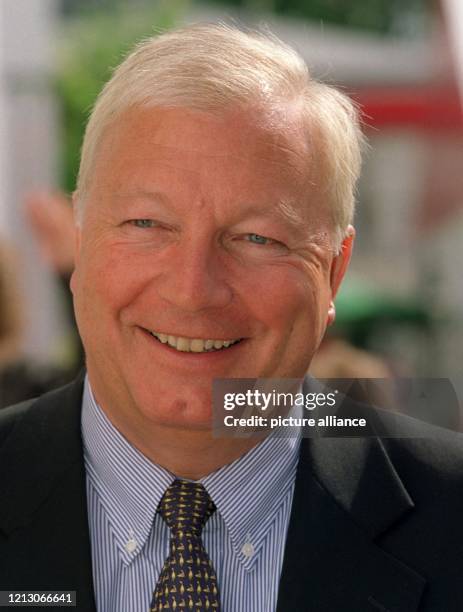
(199, 232)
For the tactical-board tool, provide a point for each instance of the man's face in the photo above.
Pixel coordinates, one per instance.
(202, 230)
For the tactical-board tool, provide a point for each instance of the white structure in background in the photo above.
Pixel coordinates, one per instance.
(453, 10)
(28, 156)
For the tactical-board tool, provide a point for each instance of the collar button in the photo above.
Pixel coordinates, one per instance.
(247, 549)
(131, 545)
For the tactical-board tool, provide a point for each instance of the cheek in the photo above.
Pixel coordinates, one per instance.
(103, 284)
(293, 300)
(295, 321)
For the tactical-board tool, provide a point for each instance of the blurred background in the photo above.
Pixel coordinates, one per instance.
(400, 312)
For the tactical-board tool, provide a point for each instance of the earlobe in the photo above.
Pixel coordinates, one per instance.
(72, 282)
(331, 314)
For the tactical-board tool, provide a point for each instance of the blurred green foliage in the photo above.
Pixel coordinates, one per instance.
(93, 44)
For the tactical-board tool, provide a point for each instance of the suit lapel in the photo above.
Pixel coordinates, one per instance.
(45, 517)
(347, 494)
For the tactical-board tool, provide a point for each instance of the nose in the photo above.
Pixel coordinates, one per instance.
(196, 277)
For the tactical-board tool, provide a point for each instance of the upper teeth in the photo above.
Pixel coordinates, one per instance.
(195, 345)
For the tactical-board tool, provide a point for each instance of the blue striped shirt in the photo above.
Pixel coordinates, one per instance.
(244, 538)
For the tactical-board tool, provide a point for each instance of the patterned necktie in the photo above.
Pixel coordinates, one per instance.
(188, 580)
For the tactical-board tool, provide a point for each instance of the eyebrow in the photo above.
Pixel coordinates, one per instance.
(155, 196)
(283, 210)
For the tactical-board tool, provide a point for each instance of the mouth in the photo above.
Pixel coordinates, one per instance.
(193, 345)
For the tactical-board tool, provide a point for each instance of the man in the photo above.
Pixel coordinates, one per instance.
(214, 208)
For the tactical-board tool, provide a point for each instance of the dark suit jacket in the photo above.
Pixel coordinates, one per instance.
(376, 525)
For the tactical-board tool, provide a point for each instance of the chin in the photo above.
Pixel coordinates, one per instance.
(181, 411)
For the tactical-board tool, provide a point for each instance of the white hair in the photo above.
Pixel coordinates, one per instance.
(216, 67)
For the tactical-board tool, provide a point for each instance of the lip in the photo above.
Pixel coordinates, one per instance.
(192, 360)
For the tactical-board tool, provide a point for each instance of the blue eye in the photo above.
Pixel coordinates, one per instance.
(143, 223)
(258, 239)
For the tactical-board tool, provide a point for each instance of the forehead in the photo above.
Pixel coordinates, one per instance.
(173, 132)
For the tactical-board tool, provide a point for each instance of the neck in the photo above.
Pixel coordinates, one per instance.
(191, 455)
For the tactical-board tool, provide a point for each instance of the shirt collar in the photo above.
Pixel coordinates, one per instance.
(247, 492)
(128, 484)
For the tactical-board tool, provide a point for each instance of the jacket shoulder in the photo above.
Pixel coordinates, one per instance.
(12, 416)
(42, 418)
(418, 447)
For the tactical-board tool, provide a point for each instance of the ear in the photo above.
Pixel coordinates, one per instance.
(339, 266)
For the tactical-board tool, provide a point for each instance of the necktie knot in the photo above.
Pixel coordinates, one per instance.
(185, 507)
